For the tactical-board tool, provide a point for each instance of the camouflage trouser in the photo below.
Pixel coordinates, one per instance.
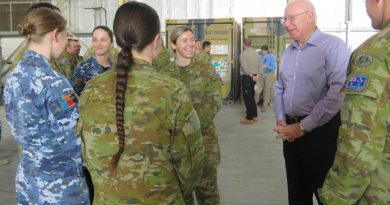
(207, 190)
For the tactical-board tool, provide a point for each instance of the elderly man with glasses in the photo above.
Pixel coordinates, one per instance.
(307, 101)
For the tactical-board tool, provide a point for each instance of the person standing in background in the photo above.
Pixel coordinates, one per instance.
(307, 101)
(361, 171)
(266, 81)
(41, 109)
(75, 47)
(198, 46)
(141, 135)
(163, 59)
(250, 71)
(102, 42)
(200, 77)
(206, 49)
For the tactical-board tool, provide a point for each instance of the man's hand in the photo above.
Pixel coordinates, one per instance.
(288, 132)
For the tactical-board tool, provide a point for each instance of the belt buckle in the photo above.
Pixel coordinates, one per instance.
(293, 119)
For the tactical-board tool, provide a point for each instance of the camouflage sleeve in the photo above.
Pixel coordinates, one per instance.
(362, 136)
(212, 97)
(186, 142)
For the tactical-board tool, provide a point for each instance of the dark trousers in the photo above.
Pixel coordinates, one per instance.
(308, 159)
(88, 179)
(248, 92)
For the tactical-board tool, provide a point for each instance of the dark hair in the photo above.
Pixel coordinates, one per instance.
(135, 26)
(206, 44)
(73, 40)
(39, 22)
(264, 48)
(43, 5)
(105, 28)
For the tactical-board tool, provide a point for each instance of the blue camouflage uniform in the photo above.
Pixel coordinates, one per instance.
(84, 72)
(41, 109)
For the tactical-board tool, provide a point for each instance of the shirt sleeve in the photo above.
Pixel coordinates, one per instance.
(186, 142)
(362, 139)
(212, 98)
(278, 96)
(336, 65)
(271, 63)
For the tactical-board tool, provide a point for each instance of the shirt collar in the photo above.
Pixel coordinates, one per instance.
(33, 54)
(96, 64)
(314, 39)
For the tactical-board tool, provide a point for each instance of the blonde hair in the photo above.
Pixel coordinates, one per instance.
(39, 22)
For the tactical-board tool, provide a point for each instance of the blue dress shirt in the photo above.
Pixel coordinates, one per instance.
(268, 60)
(310, 80)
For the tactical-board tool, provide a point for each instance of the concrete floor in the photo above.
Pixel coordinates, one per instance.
(251, 172)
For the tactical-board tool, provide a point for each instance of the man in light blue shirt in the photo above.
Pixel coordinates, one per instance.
(307, 101)
(267, 77)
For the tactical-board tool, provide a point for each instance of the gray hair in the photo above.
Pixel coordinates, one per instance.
(178, 32)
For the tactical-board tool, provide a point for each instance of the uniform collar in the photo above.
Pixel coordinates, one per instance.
(32, 54)
(96, 64)
(142, 65)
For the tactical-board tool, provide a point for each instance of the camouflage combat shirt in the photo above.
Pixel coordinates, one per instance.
(163, 155)
(204, 85)
(361, 170)
(84, 72)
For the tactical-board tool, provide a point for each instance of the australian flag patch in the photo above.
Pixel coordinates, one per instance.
(357, 82)
(61, 105)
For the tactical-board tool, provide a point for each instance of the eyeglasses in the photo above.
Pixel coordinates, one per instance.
(292, 17)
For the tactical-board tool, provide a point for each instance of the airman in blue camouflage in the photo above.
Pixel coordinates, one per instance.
(85, 71)
(113, 54)
(41, 109)
(200, 77)
(361, 170)
(102, 40)
(140, 133)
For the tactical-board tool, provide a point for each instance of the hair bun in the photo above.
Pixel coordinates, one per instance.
(25, 29)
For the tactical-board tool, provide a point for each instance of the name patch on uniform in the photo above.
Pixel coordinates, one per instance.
(61, 105)
(363, 60)
(356, 82)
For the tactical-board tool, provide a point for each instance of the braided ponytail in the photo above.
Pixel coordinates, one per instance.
(125, 61)
(135, 26)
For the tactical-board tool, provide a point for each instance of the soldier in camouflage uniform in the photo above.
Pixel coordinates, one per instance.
(162, 60)
(41, 109)
(102, 40)
(64, 65)
(205, 90)
(148, 116)
(76, 46)
(361, 170)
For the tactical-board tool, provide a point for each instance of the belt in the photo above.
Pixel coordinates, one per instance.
(293, 119)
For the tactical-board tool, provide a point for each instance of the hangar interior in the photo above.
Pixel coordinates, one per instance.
(252, 168)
